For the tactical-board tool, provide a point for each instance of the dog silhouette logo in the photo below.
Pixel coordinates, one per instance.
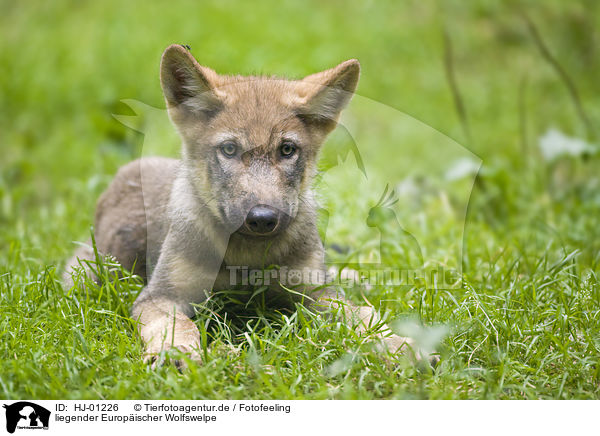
(26, 415)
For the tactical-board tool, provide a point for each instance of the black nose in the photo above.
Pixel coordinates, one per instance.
(262, 220)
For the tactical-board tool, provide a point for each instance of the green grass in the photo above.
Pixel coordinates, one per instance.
(524, 324)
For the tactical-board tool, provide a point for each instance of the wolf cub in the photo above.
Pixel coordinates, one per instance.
(239, 199)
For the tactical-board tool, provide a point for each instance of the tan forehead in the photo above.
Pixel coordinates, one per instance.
(257, 108)
(257, 93)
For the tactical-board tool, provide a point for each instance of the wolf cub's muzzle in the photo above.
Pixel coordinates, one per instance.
(263, 220)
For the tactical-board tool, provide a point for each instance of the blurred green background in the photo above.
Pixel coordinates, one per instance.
(493, 76)
(67, 65)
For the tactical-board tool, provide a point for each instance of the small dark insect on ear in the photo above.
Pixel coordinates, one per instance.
(187, 47)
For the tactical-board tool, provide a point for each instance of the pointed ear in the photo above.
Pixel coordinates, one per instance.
(188, 86)
(322, 96)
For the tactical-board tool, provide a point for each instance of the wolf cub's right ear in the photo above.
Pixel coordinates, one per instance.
(189, 88)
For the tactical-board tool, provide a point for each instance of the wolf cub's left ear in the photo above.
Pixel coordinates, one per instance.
(189, 88)
(322, 96)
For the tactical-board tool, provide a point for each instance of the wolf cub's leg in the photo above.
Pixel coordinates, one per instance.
(77, 262)
(363, 317)
(164, 309)
(164, 325)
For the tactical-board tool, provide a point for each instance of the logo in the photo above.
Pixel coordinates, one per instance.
(26, 415)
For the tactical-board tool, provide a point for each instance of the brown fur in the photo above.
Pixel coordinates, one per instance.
(181, 222)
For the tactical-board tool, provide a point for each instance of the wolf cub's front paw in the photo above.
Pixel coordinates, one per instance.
(157, 355)
(166, 343)
(407, 346)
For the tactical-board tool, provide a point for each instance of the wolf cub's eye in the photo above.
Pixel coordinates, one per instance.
(228, 148)
(287, 149)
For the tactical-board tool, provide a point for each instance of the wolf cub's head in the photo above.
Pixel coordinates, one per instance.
(250, 144)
